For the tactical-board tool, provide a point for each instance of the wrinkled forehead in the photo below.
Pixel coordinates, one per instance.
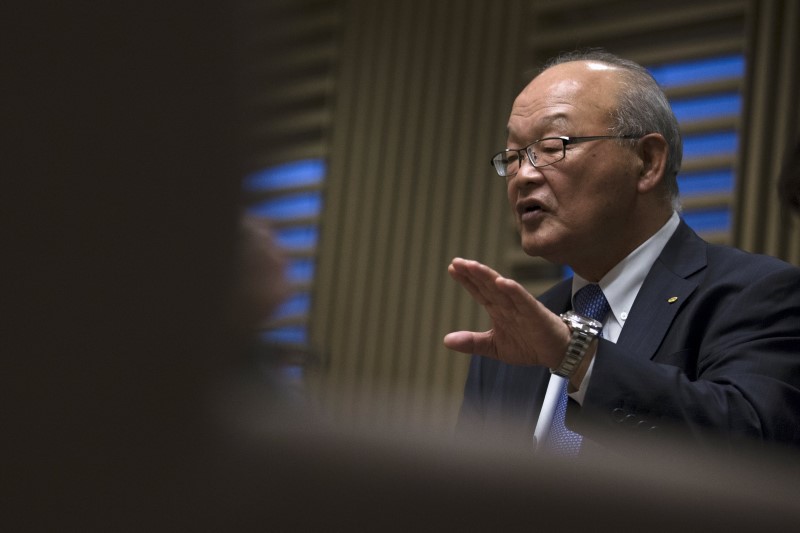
(584, 90)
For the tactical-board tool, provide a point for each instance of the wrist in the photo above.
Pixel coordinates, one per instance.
(583, 334)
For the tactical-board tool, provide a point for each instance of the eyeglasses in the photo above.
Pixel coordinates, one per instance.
(542, 152)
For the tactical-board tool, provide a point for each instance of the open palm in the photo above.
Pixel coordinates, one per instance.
(524, 332)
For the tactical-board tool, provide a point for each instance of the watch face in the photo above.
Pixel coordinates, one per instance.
(576, 321)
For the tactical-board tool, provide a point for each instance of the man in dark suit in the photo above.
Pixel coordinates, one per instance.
(660, 333)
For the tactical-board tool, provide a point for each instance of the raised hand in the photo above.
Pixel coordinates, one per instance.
(524, 332)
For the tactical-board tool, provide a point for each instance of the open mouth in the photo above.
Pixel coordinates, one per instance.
(524, 208)
(530, 210)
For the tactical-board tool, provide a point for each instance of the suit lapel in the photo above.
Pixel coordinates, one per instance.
(664, 292)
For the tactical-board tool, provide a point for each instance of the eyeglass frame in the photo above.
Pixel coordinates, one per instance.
(565, 140)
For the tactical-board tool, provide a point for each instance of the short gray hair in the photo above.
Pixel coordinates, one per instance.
(642, 108)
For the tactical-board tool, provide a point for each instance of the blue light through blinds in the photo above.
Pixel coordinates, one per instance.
(288, 335)
(719, 143)
(297, 238)
(707, 107)
(710, 182)
(710, 144)
(292, 209)
(698, 71)
(295, 174)
(297, 305)
(300, 271)
(290, 206)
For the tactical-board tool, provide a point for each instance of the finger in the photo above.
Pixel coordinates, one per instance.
(479, 280)
(466, 281)
(463, 267)
(475, 269)
(478, 268)
(518, 297)
(484, 280)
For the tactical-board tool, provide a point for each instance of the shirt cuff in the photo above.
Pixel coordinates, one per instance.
(581, 392)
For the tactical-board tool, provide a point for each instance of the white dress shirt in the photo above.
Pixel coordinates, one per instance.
(621, 285)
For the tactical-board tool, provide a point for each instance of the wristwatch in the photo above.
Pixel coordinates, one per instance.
(584, 331)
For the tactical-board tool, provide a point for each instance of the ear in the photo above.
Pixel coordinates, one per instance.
(653, 151)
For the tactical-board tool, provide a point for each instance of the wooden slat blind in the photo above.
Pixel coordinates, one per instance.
(421, 97)
(771, 123)
(290, 48)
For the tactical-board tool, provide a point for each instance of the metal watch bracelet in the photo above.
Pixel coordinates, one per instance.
(583, 331)
(578, 345)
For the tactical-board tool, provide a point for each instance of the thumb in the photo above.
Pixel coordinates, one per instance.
(469, 342)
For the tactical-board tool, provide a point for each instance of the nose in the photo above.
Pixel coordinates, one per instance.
(526, 175)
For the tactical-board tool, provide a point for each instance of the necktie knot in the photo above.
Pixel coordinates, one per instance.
(591, 302)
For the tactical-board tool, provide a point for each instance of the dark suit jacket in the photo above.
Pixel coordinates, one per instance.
(722, 360)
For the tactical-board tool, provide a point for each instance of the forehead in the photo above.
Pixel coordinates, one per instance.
(578, 92)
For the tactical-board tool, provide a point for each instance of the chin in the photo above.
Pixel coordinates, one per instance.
(532, 247)
(536, 247)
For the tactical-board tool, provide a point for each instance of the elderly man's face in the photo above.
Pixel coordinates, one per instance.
(576, 210)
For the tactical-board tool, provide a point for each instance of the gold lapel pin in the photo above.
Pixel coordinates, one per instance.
(673, 299)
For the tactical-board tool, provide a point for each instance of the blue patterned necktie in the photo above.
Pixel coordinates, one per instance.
(589, 302)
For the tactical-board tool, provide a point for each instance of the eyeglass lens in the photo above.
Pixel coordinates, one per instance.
(541, 153)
